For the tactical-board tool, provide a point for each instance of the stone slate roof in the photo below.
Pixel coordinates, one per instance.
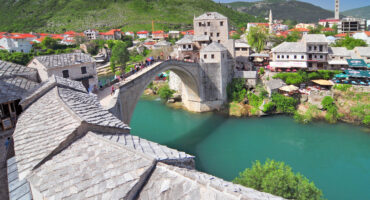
(339, 51)
(200, 38)
(169, 182)
(154, 150)
(210, 15)
(214, 47)
(187, 39)
(290, 47)
(12, 89)
(8, 69)
(241, 44)
(62, 60)
(68, 147)
(18, 189)
(363, 51)
(93, 168)
(314, 38)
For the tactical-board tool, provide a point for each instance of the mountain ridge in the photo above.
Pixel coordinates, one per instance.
(361, 12)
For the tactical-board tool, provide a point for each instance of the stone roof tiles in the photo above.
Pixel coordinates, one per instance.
(314, 38)
(210, 15)
(62, 60)
(152, 149)
(339, 51)
(169, 182)
(290, 47)
(200, 38)
(14, 88)
(214, 47)
(10, 69)
(363, 51)
(187, 39)
(91, 167)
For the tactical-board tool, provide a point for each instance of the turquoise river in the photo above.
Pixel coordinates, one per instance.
(336, 157)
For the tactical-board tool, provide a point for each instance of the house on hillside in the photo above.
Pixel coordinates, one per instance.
(142, 34)
(338, 56)
(16, 43)
(91, 34)
(289, 56)
(158, 35)
(317, 51)
(174, 34)
(364, 35)
(130, 33)
(114, 34)
(329, 22)
(74, 66)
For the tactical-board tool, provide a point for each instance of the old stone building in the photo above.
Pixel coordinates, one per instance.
(68, 147)
(214, 25)
(75, 66)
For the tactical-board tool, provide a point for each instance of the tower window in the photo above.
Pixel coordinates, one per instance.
(212, 56)
(221, 23)
(65, 74)
(208, 23)
(83, 70)
(205, 56)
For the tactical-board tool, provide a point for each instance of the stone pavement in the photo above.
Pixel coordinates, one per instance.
(3, 156)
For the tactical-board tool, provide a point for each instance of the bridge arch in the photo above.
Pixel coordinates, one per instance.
(131, 90)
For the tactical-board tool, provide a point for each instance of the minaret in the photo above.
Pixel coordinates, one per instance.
(270, 22)
(336, 9)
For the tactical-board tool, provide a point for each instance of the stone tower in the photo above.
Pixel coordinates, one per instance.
(270, 22)
(336, 9)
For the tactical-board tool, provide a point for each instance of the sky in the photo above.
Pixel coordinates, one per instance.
(327, 4)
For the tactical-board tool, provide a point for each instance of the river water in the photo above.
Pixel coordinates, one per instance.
(336, 157)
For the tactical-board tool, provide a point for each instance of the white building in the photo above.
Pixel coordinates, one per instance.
(143, 34)
(329, 22)
(289, 55)
(130, 33)
(351, 24)
(74, 66)
(15, 44)
(338, 56)
(363, 53)
(91, 34)
(365, 36)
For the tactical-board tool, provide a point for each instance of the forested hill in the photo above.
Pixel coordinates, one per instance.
(363, 12)
(62, 15)
(283, 9)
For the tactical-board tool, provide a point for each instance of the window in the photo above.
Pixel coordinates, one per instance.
(219, 41)
(65, 73)
(244, 49)
(315, 48)
(221, 23)
(184, 46)
(315, 56)
(278, 56)
(309, 48)
(287, 56)
(218, 34)
(321, 56)
(310, 56)
(205, 33)
(295, 56)
(302, 57)
(212, 56)
(205, 56)
(282, 56)
(83, 70)
(200, 23)
(189, 46)
(211, 34)
(320, 48)
(208, 23)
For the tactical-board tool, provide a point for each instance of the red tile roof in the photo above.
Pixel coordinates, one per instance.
(327, 29)
(188, 32)
(157, 32)
(299, 30)
(367, 33)
(343, 34)
(149, 43)
(329, 20)
(111, 32)
(142, 32)
(70, 33)
(260, 24)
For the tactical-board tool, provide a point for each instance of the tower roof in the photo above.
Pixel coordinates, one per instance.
(210, 15)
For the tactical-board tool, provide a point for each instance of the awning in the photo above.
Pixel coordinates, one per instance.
(288, 64)
(323, 82)
(358, 73)
(356, 63)
(341, 76)
(337, 62)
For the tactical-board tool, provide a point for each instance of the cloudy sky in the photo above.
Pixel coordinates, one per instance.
(327, 4)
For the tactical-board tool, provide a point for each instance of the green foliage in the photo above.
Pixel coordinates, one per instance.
(269, 107)
(118, 73)
(236, 91)
(293, 36)
(57, 16)
(342, 87)
(366, 120)
(254, 100)
(165, 92)
(261, 71)
(278, 178)
(16, 57)
(307, 116)
(350, 43)
(257, 37)
(284, 104)
(120, 54)
(315, 30)
(362, 111)
(301, 76)
(328, 104)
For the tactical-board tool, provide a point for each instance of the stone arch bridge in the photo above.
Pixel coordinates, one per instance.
(201, 90)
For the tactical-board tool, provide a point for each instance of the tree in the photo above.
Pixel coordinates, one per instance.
(235, 90)
(284, 104)
(49, 43)
(328, 104)
(293, 36)
(120, 55)
(350, 43)
(165, 92)
(278, 178)
(257, 37)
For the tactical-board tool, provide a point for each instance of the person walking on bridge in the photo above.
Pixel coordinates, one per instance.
(112, 90)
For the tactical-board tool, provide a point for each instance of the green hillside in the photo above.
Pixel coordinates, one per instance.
(363, 12)
(283, 9)
(79, 15)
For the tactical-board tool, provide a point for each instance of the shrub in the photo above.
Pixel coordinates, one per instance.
(366, 120)
(254, 100)
(278, 179)
(342, 87)
(284, 104)
(269, 107)
(262, 71)
(327, 102)
(236, 91)
(165, 92)
(332, 115)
